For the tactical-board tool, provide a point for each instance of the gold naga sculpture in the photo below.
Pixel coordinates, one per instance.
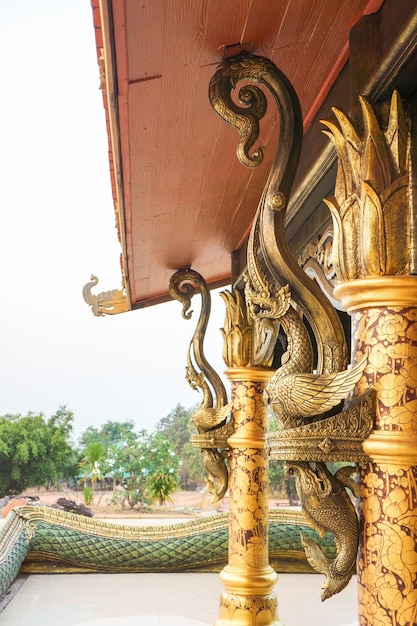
(274, 280)
(107, 302)
(212, 417)
(314, 426)
(327, 507)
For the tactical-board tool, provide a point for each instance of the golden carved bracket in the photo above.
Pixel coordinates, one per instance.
(107, 302)
(336, 438)
(317, 262)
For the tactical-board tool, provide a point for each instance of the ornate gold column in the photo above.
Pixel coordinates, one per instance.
(374, 255)
(249, 596)
(387, 565)
(235, 448)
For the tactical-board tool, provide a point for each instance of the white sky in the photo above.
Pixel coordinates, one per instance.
(58, 227)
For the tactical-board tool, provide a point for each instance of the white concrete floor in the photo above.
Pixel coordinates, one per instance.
(163, 600)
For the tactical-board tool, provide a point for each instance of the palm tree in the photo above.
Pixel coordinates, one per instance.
(94, 454)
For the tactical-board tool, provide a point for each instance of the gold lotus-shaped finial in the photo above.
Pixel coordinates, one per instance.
(373, 205)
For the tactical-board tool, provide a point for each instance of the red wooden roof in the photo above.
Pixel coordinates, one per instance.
(181, 196)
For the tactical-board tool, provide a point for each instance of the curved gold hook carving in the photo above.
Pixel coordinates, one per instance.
(267, 241)
(211, 417)
(182, 287)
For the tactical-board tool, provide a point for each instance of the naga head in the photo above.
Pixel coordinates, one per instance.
(313, 482)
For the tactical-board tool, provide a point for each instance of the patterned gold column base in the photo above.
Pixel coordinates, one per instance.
(248, 611)
(240, 606)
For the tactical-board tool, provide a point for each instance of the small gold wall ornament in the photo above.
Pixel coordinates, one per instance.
(107, 302)
(327, 507)
(212, 417)
(316, 260)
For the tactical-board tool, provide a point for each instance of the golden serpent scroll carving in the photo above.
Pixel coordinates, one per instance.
(212, 417)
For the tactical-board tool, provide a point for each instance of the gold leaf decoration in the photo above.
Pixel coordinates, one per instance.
(372, 209)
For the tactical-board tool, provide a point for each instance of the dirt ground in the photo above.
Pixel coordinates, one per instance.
(182, 504)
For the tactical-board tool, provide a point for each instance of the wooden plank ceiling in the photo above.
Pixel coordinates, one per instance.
(182, 196)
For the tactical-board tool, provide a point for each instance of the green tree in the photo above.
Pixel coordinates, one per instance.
(192, 466)
(93, 458)
(145, 466)
(35, 450)
(178, 428)
(163, 468)
(277, 473)
(110, 432)
(62, 448)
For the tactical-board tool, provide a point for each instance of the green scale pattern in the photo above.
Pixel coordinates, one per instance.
(47, 540)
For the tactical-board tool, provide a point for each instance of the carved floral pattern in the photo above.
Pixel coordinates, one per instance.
(261, 610)
(387, 563)
(248, 545)
(388, 558)
(390, 339)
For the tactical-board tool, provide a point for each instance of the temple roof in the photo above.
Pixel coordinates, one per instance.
(181, 196)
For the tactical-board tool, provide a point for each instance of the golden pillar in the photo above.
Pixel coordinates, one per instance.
(375, 258)
(387, 565)
(249, 598)
(232, 437)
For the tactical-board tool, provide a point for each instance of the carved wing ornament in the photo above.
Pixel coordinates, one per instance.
(212, 416)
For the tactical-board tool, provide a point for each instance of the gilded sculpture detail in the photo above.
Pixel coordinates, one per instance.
(279, 294)
(212, 417)
(327, 507)
(107, 302)
(372, 209)
(280, 297)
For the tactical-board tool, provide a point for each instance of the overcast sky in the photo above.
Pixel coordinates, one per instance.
(58, 227)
